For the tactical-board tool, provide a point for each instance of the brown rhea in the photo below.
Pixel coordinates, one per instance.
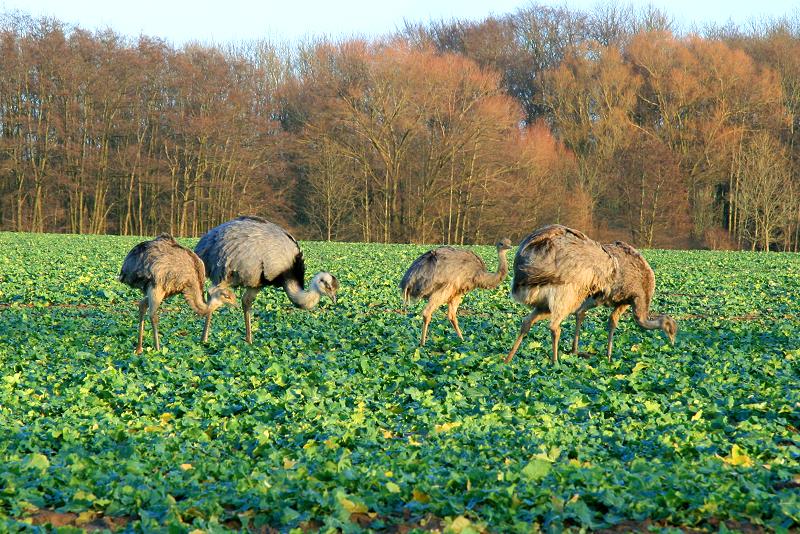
(634, 285)
(161, 268)
(559, 271)
(445, 275)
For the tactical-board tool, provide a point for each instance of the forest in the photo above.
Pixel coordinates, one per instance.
(614, 120)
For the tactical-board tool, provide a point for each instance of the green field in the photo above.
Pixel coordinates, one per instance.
(335, 419)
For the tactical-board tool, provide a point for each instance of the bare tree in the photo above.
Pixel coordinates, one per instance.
(764, 187)
(332, 178)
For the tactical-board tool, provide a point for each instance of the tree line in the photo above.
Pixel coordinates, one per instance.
(612, 120)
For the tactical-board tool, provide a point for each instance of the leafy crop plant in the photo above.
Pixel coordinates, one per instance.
(337, 420)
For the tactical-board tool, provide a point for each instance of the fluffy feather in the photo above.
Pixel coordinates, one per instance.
(252, 252)
(161, 268)
(559, 256)
(162, 262)
(446, 274)
(559, 271)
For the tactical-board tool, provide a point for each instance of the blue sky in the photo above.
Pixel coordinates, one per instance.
(180, 21)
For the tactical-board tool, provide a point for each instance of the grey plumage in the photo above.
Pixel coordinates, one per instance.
(161, 268)
(445, 275)
(559, 271)
(252, 252)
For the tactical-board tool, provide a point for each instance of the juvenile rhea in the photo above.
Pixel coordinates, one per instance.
(161, 268)
(252, 252)
(559, 271)
(445, 275)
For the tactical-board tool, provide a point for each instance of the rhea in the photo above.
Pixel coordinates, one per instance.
(445, 275)
(161, 268)
(252, 252)
(559, 271)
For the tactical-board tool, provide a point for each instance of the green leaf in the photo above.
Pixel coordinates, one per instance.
(323, 400)
(638, 367)
(352, 506)
(392, 487)
(738, 457)
(536, 469)
(37, 461)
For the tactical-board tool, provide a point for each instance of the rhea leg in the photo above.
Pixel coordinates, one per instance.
(433, 304)
(531, 318)
(452, 314)
(154, 298)
(247, 303)
(555, 333)
(580, 315)
(207, 327)
(613, 319)
(142, 310)
(556, 317)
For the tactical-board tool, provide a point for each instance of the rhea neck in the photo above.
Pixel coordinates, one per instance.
(306, 300)
(502, 257)
(200, 306)
(489, 280)
(502, 267)
(659, 322)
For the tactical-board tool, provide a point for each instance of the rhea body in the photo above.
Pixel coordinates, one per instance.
(445, 275)
(559, 271)
(253, 253)
(161, 268)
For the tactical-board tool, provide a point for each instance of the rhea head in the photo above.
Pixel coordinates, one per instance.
(504, 244)
(222, 294)
(326, 284)
(669, 326)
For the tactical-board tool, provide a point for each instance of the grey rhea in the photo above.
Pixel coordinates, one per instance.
(559, 271)
(445, 275)
(252, 252)
(161, 268)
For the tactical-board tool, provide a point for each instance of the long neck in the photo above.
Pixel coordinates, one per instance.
(300, 298)
(643, 319)
(194, 297)
(492, 280)
(651, 324)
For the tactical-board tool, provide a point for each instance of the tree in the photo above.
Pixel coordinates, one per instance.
(696, 95)
(593, 95)
(427, 133)
(649, 190)
(766, 191)
(332, 186)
